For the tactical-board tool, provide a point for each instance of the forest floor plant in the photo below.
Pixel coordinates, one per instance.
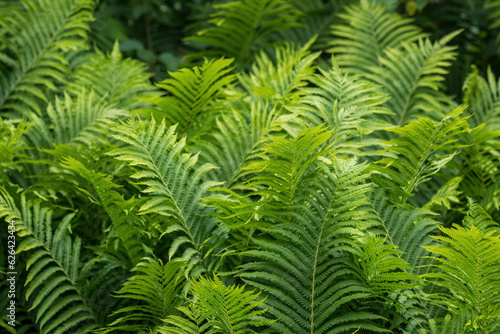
(308, 169)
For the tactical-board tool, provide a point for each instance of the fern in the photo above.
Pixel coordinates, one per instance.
(368, 32)
(281, 79)
(33, 59)
(122, 82)
(412, 75)
(225, 310)
(467, 265)
(483, 97)
(309, 216)
(173, 179)
(416, 153)
(347, 105)
(157, 287)
(120, 211)
(52, 267)
(240, 28)
(192, 91)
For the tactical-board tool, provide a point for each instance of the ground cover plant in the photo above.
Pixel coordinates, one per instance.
(303, 167)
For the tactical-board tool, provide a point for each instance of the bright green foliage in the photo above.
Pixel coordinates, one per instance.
(120, 211)
(468, 268)
(192, 90)
(240, 36)
(157, 287)
(416, 153)
(367, 32)
(262, 185)
(483, 96)
(242, 310)
(32, 58)
(52, 287)
(176, 188)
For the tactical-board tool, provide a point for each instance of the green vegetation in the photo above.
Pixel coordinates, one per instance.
(250, 166)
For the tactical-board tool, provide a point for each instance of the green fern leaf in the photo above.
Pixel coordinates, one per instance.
(483, 97)
(416, 153)
(467, 265)
(34, 57)
(191, 92)
(157, 287)
(174, 182)
(240, 28)
(367, 33)
(120, 211)
(52, 267)
(229, 310)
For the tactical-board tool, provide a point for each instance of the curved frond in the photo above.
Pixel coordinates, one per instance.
(157, 288)
(120, 211)
(191, 91)
(411, 75)
(121, 81)
(416, 153)
(483, 97)
(369, 30)
(280, 79)
(346, 104)
(173, 180)
(33, 60)
(466, 264)
(240, 28)
(52, 266)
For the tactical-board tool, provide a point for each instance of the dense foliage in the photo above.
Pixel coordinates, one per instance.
(303, 167)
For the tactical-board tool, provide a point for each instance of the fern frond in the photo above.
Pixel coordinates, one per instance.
(483, 97)
(346, 104)
(52, 267)
(477, 216)
(480, 167)
(123, 82)
(240, 28)
(120, 211)
(412, 75)
(280, 79)
(367, 32)
(11, 144)
(407, 228)
(310, 208)
(173, 181)
(191, 91)
(466, 264)
(239, 140)
(157, 287)
(416, 155)
(33, 60)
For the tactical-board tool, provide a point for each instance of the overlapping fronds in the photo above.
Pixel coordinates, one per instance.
(240, 140)
(347, 104)
(157, 288)
(483, 97)
(191, 91)
(466, 264)
(120, 211)
(121, 81)
(412, 75)
(53, 266)
(418, 150)
(280, 79)
(381, 265)
(33, 58)
(226, 309)
(11, 145)
(480, 166)
(173, 180)
(404, 228)
(240, 28)
(367, 32)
